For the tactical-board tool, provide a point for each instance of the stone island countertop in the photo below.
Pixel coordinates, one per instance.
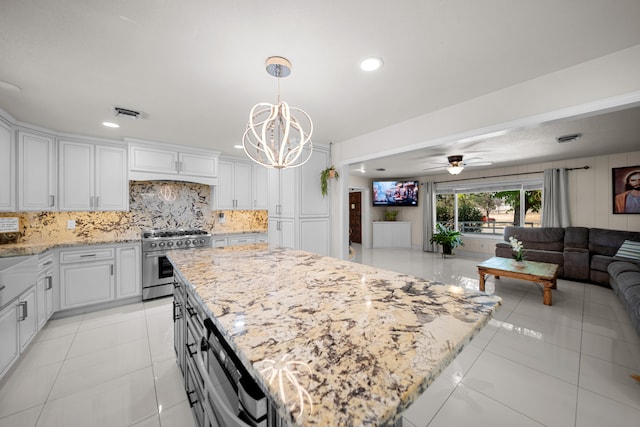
(332, 342)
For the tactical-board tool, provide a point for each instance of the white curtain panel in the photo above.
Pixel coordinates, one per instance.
(555, 198)
(429, 216)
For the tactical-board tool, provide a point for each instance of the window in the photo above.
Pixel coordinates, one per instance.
(486, 208)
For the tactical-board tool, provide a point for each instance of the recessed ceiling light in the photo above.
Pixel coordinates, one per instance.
(371, 64)
(238, 146)
(9, 86)
(110, 125)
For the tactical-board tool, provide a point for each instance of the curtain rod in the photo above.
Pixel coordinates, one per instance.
(511, 174)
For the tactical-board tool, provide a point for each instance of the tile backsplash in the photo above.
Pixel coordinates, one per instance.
(152, 204)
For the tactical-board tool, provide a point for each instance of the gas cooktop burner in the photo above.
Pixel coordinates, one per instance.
(172, 233)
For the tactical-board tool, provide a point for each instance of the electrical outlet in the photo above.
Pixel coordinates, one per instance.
(221, 217)
(71, 224)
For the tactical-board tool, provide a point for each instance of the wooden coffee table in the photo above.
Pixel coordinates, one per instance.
(538, 272)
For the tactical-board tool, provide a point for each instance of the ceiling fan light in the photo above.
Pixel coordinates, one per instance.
(455, 170)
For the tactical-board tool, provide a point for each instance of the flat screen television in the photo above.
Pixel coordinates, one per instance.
(395, 193)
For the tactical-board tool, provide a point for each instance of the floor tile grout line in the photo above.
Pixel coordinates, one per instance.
(153, 366)
(53, 384)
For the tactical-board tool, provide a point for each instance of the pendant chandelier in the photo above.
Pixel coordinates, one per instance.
(277, 135)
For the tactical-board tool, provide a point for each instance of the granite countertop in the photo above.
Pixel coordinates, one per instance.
(30, 248)
(333, 342)
(19, 249)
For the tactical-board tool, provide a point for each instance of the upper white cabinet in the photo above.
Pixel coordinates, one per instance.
(150, 160)
(234, 185)
(36, 172)
(260, 187)
(93, 177)
(282, 192)
(7, 169)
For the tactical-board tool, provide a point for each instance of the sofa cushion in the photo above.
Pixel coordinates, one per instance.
(544, 256)
(617, 267)
(600, 262)
(607, 242)
(576, 237)
(629, 250)
(545, 239)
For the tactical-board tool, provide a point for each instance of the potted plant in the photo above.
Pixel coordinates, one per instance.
(329, 172)
(446, 237)
(390, 215)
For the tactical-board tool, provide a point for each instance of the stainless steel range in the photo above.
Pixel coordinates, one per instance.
(157, 271)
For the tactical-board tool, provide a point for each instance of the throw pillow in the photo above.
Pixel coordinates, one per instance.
(629, 250)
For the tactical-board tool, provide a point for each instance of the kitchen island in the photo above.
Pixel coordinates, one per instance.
(331, 342)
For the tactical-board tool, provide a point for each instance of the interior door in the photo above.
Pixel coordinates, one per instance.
(355, 217)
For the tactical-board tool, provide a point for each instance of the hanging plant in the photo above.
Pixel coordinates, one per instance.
(329, 172)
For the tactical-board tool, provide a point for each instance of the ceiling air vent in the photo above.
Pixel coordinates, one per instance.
(568, 138)
(118, 111)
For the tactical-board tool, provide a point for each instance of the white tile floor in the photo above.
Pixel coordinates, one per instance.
(565, 365)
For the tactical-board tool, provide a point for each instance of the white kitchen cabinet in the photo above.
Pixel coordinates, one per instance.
(9, 347)
(298, 214)
(282, 192)
(37, 189)
(241, 240)
(93, 177)
(159, 161)
(45, 288)
(129, 279)
(282, 232)
(27, 317)
(86, 276)
(234, 185)
(7, 169)
(219, 242)
(260, 187)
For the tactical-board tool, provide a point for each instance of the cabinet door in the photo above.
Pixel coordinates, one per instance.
(312, 203)
(27, 317)
(314, 235)
(41, 300)
(49, 295)
(112, 185)
(288, 233)
(9, 349)
(195, 164)
(129, 281)
(282, 192)
(225, 187)
(288, 194)
(76, 176)
(7, 170)
(145, 159)
(260, 188)
(36, 173)
(242, 178)
(87, 283)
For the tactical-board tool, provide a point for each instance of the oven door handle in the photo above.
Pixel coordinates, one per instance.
(220, 409)
(155, 255)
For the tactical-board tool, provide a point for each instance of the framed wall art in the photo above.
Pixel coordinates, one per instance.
(626, 190)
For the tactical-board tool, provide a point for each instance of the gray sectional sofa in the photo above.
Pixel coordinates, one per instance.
(583, 254)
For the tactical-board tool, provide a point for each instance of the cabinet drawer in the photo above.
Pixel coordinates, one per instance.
(86, 256)
(232, 241)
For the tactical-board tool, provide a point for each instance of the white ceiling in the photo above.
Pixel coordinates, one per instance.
(195, 68)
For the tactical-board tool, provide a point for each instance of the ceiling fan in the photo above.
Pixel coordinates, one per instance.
(455, 164)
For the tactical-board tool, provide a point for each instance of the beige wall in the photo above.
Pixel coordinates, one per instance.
(590, 191)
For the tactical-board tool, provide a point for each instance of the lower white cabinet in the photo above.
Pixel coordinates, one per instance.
(18, 326)
(27, 317)
(98, 274)
(128, 265)
(9, 349)
(45, 288)
(86, 283)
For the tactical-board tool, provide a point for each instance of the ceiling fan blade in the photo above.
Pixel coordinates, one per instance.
(478, 163)
(434, 168)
